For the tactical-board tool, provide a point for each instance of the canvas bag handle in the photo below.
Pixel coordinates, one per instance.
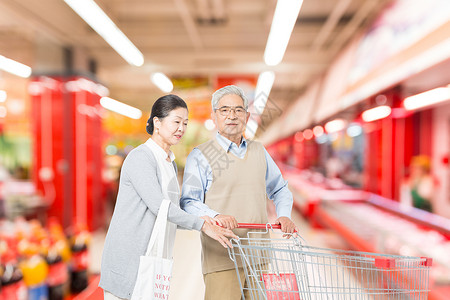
(159, 231)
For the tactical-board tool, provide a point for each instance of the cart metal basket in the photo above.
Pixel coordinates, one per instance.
(287, 269)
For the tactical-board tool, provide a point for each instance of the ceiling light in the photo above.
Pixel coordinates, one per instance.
(111, 150)
(3, 96)
(14, 67)
(262, 91)
(121, 108)
(283, 22)
(90, 12)
(250, 129)
(427, 98)
(308, 134)
(318, 130)
(3, 112)
(209, 124)
(376, 113)
(333, 136)
(354, 130)
(322, 139)
(335, 125)
(162, 82)
(299, 136)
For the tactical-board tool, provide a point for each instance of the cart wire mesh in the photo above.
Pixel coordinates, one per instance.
(287, 269)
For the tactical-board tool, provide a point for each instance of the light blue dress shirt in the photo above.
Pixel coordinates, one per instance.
(198, 178)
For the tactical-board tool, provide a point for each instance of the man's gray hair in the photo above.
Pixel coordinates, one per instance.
(228, 90)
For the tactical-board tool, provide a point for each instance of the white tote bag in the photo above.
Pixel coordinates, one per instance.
(153, 280)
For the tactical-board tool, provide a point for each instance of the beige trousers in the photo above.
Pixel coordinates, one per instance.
(224, 285)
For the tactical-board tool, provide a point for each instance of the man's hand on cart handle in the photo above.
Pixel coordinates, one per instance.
(287, 226)
(226, 221)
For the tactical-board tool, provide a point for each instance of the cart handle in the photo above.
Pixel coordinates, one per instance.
(258, 226)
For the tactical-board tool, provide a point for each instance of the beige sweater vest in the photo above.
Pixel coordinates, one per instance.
(238, 189)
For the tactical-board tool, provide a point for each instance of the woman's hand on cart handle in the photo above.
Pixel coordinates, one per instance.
(226, 221)
(220, 234)
(287, 226)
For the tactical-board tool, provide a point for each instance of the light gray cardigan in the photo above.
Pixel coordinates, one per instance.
(137, 205)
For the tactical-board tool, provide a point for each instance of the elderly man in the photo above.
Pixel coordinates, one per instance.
(229, 179)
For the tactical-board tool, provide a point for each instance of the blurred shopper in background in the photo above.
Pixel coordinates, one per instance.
(227, 179)
(147, 177)
(334, 167)
(418, 189)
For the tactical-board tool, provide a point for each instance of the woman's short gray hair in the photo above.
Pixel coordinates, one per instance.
(228, 90)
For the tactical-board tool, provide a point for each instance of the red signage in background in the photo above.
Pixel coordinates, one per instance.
(67, 138)
(197, 91)
(246, 82)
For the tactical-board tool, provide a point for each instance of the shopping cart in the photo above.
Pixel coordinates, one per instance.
(288, 269)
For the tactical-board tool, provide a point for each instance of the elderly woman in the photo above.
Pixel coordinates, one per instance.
(147, 177)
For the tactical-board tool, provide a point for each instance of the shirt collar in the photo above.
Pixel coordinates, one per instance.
(226, 144)
(157, 150)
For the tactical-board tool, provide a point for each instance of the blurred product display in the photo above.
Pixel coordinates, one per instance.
(42, 262)
(13, 286)
(79, 242)
(371, 223)
(20, 198)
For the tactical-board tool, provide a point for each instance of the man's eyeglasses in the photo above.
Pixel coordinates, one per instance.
(226, 110)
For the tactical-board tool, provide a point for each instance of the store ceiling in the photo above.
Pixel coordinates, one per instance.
(185, 38)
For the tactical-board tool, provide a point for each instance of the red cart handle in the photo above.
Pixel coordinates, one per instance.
(258, 226)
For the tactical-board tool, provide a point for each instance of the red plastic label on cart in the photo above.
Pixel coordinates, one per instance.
(281, 286)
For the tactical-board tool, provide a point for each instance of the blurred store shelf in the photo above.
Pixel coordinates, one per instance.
(368, 222)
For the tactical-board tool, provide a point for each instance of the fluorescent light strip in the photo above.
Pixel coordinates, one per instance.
(318, 131)
(376, 113)
(162, 82)
(14, 67)
(354, 130)
(262, 91)
(283, 22)
(3, 96)
(209, 124)
(121, 108)
(3, 112)
(251, 128)
(90, 12)
(427, 98)
(335, 125)
(308, 134)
